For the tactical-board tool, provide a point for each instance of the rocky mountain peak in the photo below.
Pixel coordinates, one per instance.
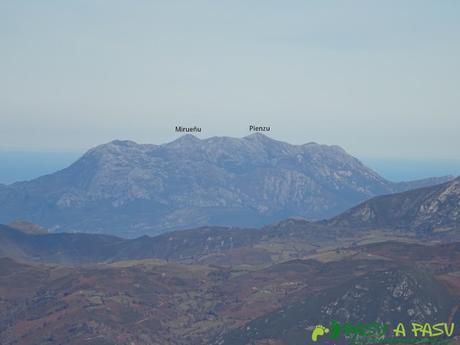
(140, 189)
(260, 137)
(184, 140)
(116, 148)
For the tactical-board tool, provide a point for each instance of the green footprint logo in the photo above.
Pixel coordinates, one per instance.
(318, 331)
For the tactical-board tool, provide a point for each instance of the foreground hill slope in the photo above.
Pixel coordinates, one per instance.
(152, 302)
(130, 189)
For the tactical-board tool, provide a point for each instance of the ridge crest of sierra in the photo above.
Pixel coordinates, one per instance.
(429, 210)
(131, 189)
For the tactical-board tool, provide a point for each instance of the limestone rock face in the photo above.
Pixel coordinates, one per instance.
(434, 209)
(130, 189)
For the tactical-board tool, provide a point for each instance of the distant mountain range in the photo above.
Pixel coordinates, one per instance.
(130, 189)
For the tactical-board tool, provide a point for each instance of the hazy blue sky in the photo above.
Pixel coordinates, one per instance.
(380, 78)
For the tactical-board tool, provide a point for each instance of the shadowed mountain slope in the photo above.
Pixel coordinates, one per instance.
(433, 212)
(191, 245)
(433, 209)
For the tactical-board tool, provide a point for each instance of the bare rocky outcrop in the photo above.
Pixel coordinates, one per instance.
(131, 189)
